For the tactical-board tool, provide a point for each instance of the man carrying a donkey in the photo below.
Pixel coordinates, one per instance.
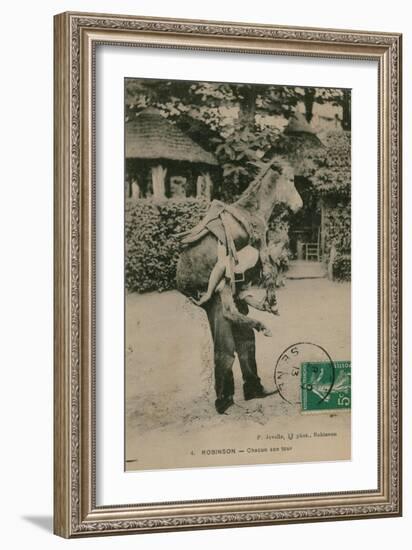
(226, 266)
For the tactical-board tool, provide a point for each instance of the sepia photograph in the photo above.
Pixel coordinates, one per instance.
(228, 259)
(237, 274)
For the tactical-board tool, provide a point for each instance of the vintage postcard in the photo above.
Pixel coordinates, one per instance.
(237, 274)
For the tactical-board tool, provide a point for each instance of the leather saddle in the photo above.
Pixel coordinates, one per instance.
(221, 221)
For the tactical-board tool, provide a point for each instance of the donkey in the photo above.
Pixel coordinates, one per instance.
(231, 328)
(273, 185)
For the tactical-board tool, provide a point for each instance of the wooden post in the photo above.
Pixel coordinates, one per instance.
(332, 258)
(135, 194)
(158, 181)
(208, 186)
(199, 186)
(128, 186)
(204, 186)
(322, 228)
(346, 114)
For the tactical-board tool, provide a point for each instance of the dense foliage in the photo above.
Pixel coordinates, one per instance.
(338, 236)
(341, 269)
(338, 225)
(332, 176)
(278, 233)
(152, 244)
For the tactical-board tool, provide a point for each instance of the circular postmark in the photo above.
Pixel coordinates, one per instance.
(304, 368)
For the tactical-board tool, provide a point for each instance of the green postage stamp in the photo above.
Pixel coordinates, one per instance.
(326, 386)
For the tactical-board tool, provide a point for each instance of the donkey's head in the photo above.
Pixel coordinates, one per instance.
(281, 186)
(273, 185)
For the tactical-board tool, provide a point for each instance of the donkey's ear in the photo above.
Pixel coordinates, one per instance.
(270, 163)
(281, 163)
(259, 164)
(277, 167)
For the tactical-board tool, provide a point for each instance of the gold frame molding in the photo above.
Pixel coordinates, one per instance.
(75, 38)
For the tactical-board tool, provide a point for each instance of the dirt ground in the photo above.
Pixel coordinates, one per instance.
(169, 367)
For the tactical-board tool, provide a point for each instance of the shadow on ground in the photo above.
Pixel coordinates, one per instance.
(43, 522)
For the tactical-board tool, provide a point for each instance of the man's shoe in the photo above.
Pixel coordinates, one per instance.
(223, 404)
(258, 394)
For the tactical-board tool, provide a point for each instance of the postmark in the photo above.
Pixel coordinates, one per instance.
(288, 372)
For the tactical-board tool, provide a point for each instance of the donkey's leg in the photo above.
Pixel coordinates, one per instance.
(269, 277)
(224, 353)
(232, 314)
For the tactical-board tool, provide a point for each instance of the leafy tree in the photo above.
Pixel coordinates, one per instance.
(237, 122)
(332, 173)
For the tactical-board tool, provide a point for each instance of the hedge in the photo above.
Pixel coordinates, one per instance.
(342, 267)
(152, 245)
(338, 234)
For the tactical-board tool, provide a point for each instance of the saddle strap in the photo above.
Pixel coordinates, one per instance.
(231, 249)
(230, 243)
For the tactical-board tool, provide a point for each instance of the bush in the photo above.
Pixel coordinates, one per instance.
(342, 268)
(331, 165)
(338, 235)
(152, 245)
(338, 225)
(279, 233)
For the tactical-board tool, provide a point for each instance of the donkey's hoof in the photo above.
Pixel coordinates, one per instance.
(267, 332)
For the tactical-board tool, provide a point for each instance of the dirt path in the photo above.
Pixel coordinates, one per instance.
(169, 367)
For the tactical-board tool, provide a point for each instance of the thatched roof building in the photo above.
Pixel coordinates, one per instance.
(299, 125)
(157, 148)
(151, 136)
(299, 130)
(300, 144)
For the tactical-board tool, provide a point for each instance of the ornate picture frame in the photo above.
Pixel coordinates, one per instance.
(76, 510)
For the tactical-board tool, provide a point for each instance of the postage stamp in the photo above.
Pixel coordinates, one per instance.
(324, 387)
(288, 370)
